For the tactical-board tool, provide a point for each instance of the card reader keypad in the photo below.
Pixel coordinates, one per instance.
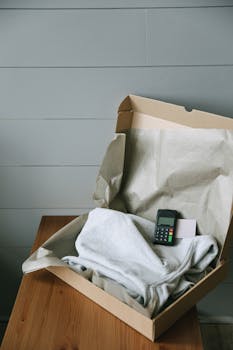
(164, 235)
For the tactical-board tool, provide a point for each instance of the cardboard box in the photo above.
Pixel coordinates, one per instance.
(139, 112)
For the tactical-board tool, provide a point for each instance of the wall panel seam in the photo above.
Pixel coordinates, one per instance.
(146, 37)
(46, 208)
(50, 208)
(110, 8)
(56, 119)
(49, 165)
(121, 66)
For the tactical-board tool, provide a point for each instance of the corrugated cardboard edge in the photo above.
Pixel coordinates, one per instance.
(122, 311)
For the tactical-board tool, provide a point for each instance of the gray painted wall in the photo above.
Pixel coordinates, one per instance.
(64, 68)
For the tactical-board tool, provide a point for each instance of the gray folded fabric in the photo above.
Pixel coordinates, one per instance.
(118, 249)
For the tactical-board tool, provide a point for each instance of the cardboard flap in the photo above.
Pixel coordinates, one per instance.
(224, 255)
(141, 113)
(168, 112)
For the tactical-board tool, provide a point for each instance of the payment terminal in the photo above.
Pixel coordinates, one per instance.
(165, 228)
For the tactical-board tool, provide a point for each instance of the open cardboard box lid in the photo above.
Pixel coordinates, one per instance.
(138, 112)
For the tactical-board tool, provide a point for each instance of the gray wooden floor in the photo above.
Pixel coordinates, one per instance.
(217, 336)
(214, 336)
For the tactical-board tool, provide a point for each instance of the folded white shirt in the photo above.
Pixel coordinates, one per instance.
(118, 248)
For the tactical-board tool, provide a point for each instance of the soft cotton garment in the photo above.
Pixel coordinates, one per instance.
(118, 248)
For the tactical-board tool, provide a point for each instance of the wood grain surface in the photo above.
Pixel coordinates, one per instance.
(50, 315)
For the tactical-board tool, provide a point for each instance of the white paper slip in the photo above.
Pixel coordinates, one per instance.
(185, 228)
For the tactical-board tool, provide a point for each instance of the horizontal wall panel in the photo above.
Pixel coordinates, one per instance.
(57, 142)
(109, 3)
(18, 227)
(11, 260)
(190, 36)
(47, 187)
(72, 38)
(97, 93)
(218, 302)
(84, 38)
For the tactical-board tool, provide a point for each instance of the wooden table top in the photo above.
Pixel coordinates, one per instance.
(50, 315)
